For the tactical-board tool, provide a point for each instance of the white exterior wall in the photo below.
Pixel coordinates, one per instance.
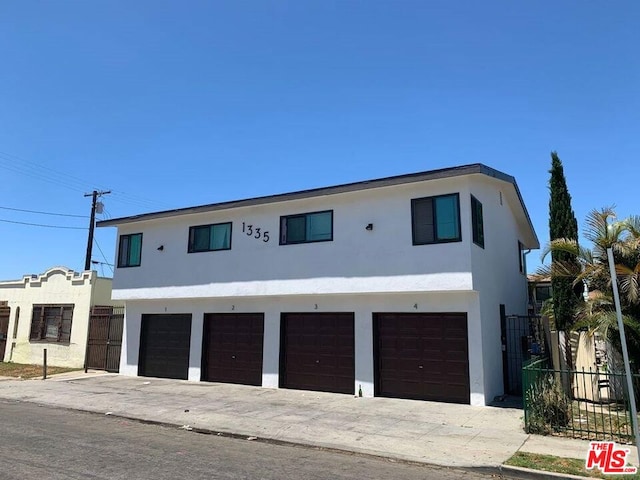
(101, 293)
(56, 286)
(496, 274)
(356, 261)
(359, 271)
(363, 306)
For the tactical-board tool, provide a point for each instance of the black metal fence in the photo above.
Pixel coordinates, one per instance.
(523, 338)
(590, 405)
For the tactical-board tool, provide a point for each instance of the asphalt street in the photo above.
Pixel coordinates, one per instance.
(41, 442)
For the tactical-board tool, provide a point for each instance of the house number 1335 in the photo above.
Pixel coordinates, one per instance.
(255, 232)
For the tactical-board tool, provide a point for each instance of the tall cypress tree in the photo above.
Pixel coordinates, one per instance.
(562, 224)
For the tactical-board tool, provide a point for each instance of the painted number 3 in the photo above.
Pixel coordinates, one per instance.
(256, 233)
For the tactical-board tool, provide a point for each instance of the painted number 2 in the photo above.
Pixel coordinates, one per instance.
(256, 233)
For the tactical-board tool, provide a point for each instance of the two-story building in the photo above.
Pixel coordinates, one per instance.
(389, 287)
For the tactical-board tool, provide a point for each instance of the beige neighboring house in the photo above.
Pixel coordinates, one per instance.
(50, 310)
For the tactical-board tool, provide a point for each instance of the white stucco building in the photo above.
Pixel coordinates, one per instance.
(49, 310)
(389, 287)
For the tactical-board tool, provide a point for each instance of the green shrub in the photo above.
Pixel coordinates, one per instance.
(548, 406)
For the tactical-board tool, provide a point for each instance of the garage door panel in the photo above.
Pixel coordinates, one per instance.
(164, 346)
(422, 356)
(456, 370)
(401, 389)
(232, 348)
(318, 352)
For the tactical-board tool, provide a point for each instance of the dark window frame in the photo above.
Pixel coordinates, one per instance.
(191, 239)
(128, 264)
(477, 228)
(542, 291)
(521, 259)
(15, 323)
(284, 218)
(414, 201)
(39, 317)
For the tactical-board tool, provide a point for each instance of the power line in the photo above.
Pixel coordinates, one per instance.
(106, 262)
(95, 262)
(106, 214)
(44, 213)
(41, 225)
(41, 172)
(137, 200)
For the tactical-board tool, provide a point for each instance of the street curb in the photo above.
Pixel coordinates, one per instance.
(288, 443)
(530, 474)
(512, 471)
(497, 470)
(500, 470)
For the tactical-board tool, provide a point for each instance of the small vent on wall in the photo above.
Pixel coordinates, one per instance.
(500, 198)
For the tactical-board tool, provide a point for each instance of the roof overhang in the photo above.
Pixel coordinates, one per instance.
(464, 170)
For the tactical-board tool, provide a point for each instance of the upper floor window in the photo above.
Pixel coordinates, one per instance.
(521, 258)
(130, 250)
(306, 227)
(477, 223)
(208, 238)
(51, 323)
(436, 219)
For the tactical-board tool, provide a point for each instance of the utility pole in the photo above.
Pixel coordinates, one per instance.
(625, 351)
(94, 197)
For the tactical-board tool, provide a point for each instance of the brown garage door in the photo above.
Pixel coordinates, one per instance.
(164, 346)
(422, 356)
(232, 348)
(317, 352)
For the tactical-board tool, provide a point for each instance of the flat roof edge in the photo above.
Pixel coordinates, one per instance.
(449, 172)
(317, 192)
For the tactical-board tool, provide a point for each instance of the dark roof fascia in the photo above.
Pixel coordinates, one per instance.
(476, 168)
(509, 179)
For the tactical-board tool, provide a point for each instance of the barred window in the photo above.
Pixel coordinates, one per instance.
(51, 323)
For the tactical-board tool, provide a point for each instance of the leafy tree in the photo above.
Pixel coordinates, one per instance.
(598, 314)
(562, 225)
(591, 265)
(592, 268)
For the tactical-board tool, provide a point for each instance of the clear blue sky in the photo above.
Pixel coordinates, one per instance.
(174, 104)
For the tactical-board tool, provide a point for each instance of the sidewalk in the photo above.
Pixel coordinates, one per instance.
(426, 432)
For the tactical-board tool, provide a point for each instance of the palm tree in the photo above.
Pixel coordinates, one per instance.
(593, 265)
(628, 269)
(597, 313)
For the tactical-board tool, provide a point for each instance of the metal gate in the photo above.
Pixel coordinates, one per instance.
(523, 339)
(105, 338)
